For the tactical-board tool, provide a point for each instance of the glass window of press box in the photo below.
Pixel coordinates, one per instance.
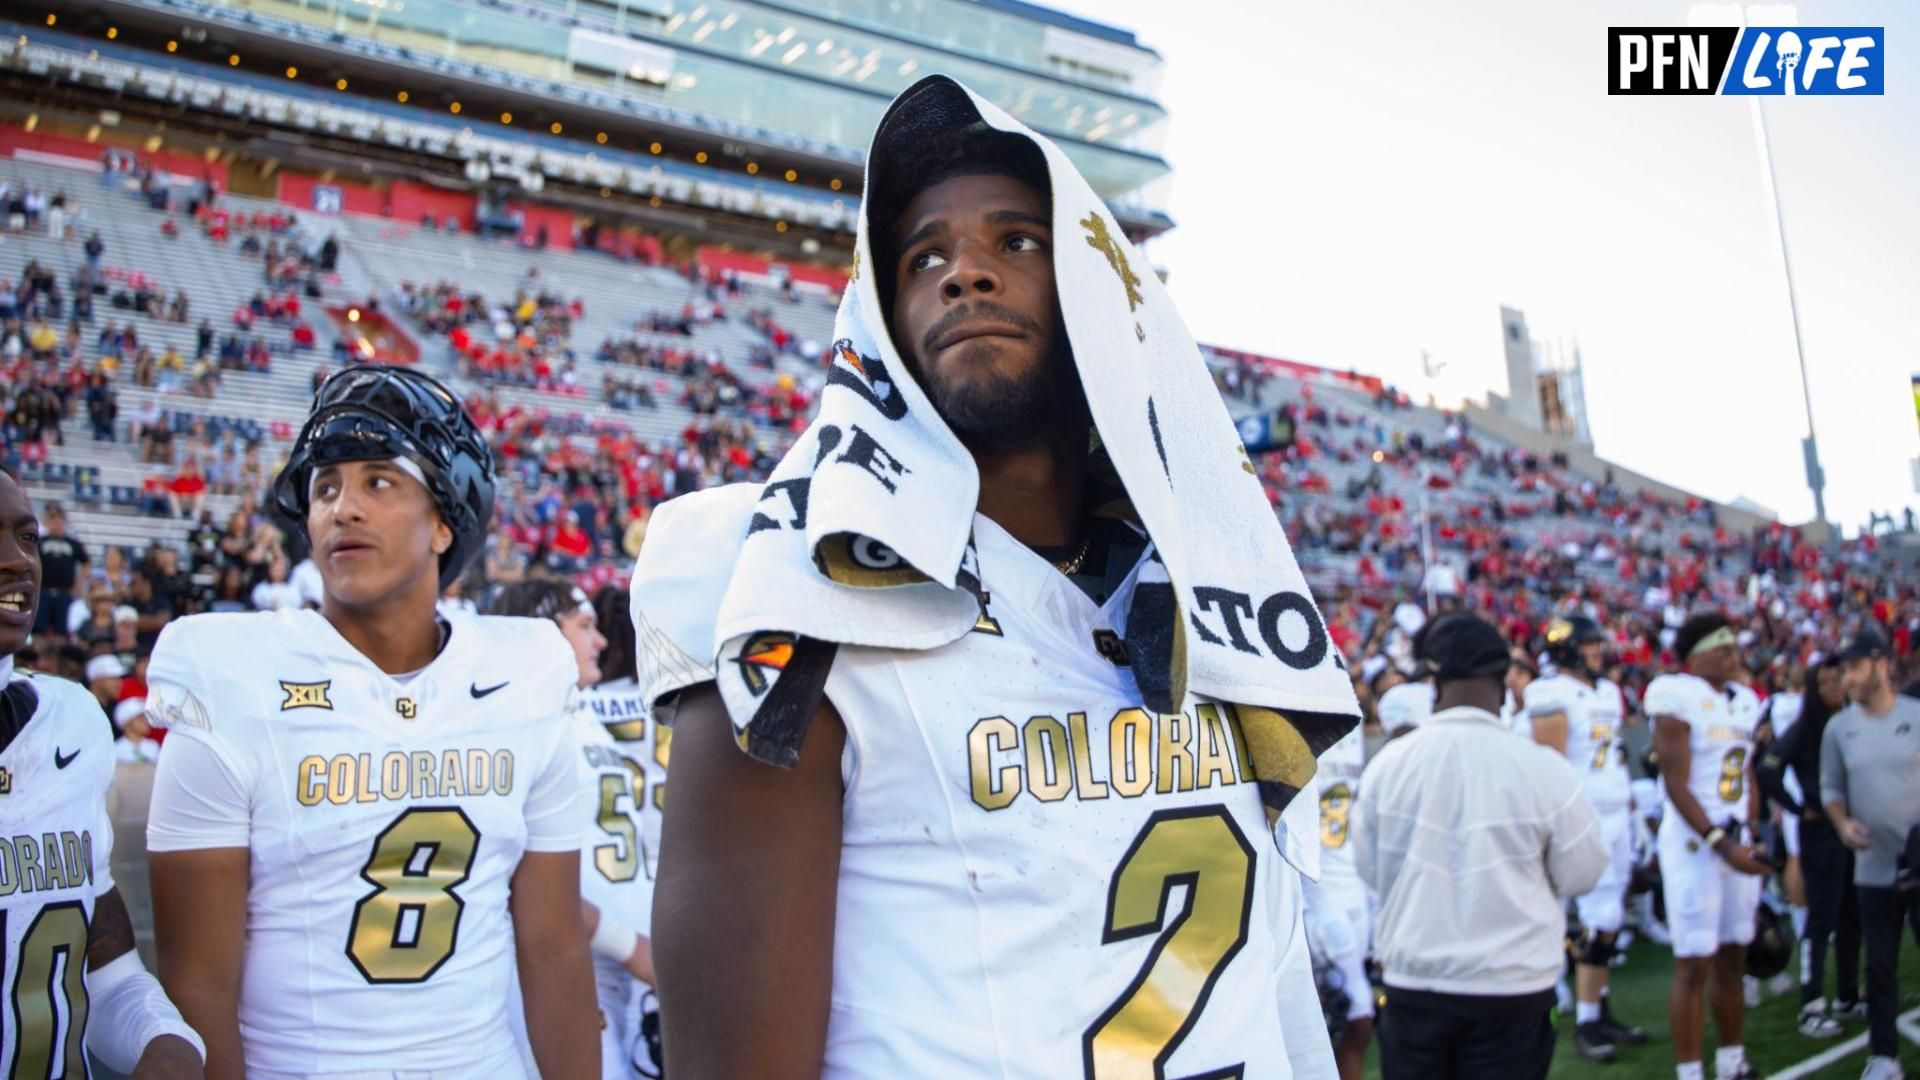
(835, 80)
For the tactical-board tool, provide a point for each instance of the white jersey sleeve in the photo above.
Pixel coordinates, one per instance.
(197, 801)
(683, 569)
(1553, 694)
(201, 785)
(1671, 696)
(554, 802)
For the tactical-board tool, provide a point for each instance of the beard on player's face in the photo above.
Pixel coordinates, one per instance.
(997, 407)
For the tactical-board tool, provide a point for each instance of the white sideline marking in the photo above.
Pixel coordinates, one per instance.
(1908, 1023)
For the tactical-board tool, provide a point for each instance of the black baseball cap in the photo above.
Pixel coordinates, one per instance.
(1462, 645)
(1861, 644)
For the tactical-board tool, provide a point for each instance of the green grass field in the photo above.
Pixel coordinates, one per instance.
(1772, 1041)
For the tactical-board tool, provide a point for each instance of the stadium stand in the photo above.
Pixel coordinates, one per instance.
(610, 384)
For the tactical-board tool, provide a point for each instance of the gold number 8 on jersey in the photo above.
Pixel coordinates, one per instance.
(1335, 804)
(1733, 775)
(408, 925)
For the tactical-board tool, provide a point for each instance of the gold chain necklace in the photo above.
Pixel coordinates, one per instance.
(1072, 566)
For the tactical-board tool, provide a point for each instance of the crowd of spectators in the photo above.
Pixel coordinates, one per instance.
(1387, 506)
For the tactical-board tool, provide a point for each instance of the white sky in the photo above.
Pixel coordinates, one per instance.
(1355, 182)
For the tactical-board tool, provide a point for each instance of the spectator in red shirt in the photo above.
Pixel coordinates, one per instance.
(187, 491)
(570, 545)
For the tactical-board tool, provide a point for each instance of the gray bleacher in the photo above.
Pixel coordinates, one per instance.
(614, 294)
(378, 254)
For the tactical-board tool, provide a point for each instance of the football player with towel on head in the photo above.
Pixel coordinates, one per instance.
(612, 898)
(72, 982)
(363, 815)
(1703, 725)
(996, 709)
(1577, 713)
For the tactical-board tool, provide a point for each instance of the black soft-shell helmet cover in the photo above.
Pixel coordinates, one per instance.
(375, 412)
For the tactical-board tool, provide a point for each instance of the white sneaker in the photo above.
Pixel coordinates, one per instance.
(1883, 1068)
(1750, 986)
(1815, 1023)
(1780, 984)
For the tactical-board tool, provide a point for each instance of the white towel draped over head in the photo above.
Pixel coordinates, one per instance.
(863, 533)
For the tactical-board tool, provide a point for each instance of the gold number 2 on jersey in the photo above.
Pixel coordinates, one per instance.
(1201, 848)
(38, 1008)
(1335, 804)
(407, 926)
(1733, 775)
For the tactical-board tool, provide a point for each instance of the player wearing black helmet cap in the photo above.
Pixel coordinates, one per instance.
(365, 815)
(1577, 713)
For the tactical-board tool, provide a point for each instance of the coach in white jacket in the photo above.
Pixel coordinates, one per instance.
(1471, 839)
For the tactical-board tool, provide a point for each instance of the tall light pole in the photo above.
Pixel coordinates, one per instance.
(1777, 15)
(1810, 447)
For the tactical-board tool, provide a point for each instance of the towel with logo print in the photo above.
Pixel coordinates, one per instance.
(862, 535)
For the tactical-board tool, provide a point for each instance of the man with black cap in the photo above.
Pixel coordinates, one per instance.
(1472, 840)
(1869, 758)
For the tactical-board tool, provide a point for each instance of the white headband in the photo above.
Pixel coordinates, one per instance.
(410, 467)
(1722, 636)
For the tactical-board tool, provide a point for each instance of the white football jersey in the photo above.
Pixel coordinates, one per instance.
(385, 817)
(1721, 735)
(1040, 878)
(1594, 714)
(55, 837)
(1339, 777)
(620, 710)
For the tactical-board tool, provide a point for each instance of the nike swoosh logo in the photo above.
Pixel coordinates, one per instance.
(61, 761)
(474, 689)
